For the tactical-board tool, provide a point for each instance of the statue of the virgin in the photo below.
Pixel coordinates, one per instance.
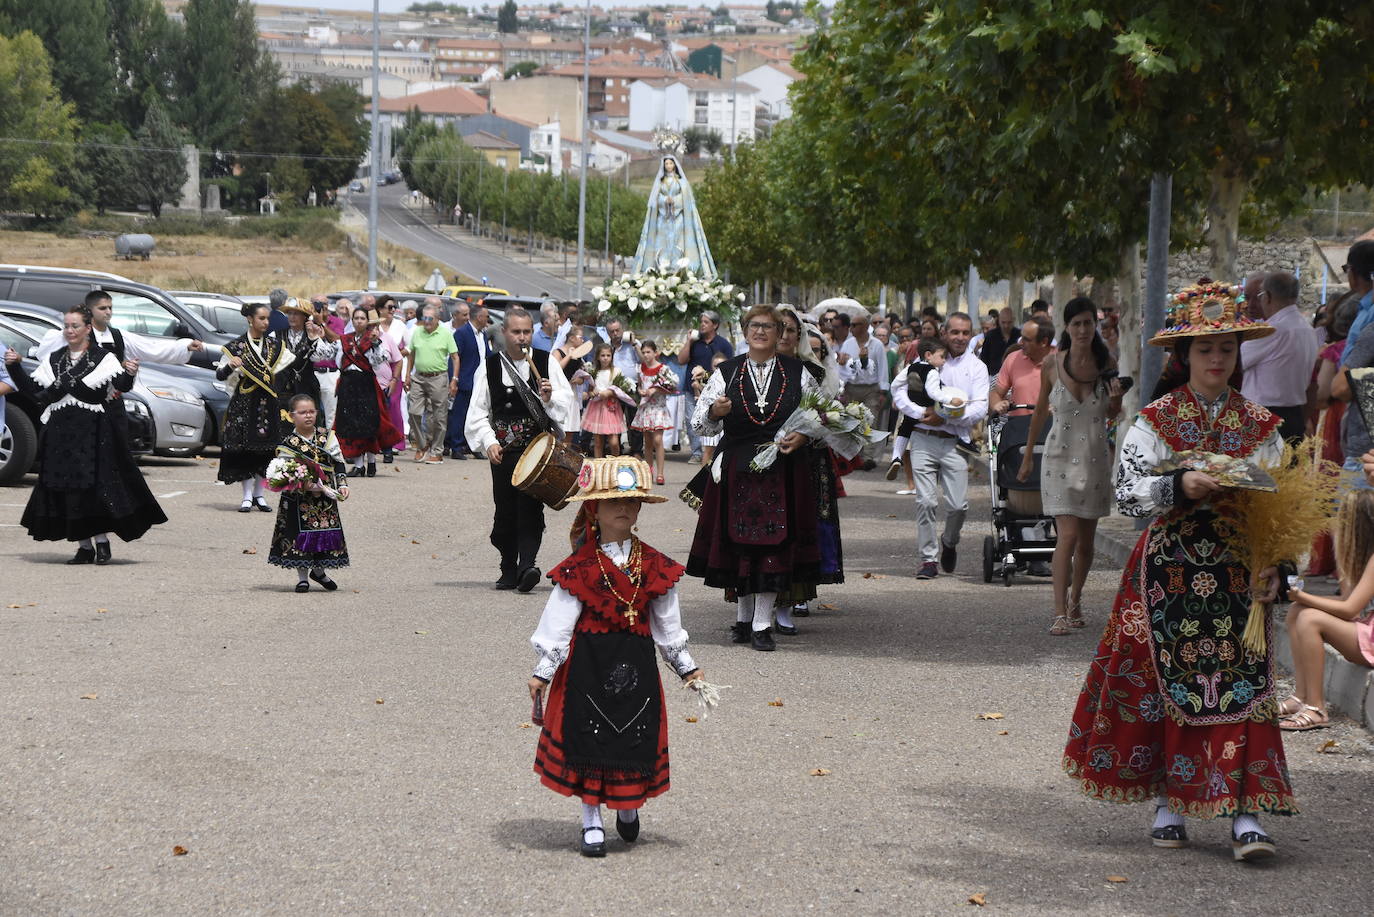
(672, 228)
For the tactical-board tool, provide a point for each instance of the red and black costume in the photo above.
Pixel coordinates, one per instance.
(605, 736)
(362, 419)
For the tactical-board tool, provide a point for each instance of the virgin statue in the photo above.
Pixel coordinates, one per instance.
(672, 228)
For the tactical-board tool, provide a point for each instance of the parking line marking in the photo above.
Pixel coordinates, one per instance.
(175, 493)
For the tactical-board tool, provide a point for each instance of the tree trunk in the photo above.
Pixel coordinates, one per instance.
(1016, 293)
(1224, 198)
(1063, 289)
(955, 288)
(1128, 308)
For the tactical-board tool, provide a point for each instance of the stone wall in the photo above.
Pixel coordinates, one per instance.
(1273, 254)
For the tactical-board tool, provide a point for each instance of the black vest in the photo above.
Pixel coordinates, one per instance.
(747, 424)
(506, 403)
(116, 346)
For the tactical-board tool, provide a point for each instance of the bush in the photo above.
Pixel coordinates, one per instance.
(317, 227)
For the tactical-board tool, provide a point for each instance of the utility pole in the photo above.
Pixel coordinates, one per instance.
(608, 221)
(582, 172)
(376, 151)
(1156, 282)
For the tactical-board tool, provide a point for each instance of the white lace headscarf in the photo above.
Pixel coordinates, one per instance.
(830, 382)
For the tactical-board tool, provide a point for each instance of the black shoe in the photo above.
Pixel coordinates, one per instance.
(303, 586)
(323, 579)
(506, 580)
(929, 570)
(246, 506)
(388, 457)
(593, 850)
(801, 610)
(1039, 568)
(762, 640)
(83, 556)
(1170, 836)
(1252, 846)
(460, 454)
(628, 830)
(740, 632)
(785, 630)
(869, 465)
(894, 469)
(371, 469)
(948, 557)
(676, 447)
(261, 504)
(527, 580)
(102, 553)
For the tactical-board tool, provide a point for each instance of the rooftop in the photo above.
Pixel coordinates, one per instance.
(451, 100)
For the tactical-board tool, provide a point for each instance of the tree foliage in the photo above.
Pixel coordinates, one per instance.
(159, 170)
(76, 34)
(508, 18)
(36, 176)
(220, 73)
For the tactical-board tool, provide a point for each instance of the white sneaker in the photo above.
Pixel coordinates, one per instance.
(906, 493)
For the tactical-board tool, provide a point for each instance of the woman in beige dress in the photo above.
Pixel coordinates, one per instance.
(1079, 385)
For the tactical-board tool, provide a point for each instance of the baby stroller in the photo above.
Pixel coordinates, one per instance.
(1021, 532)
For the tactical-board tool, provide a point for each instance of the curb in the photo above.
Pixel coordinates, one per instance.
(1349, 687)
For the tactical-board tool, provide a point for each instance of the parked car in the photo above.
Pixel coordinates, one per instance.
(221, 310)
(175, 382)
(23, 419)
(357, 185)
(471, 294)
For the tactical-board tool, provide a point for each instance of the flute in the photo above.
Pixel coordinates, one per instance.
(528, 354)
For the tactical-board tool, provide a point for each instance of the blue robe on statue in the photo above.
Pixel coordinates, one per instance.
(672, 229)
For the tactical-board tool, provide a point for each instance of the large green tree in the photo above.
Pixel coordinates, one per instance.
(159, 169)
(37, 153)
(508, 18)
(146, 46)
(76, 34)
(107, 165)
(220, 74)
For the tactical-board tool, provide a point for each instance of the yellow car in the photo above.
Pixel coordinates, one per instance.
(471, 294)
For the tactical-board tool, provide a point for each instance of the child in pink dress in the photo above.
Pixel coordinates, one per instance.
(604, 418)
(656, 383)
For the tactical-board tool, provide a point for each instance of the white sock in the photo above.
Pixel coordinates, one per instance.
(744, 609)
(763, 610)
(1163, 817)
(303, 573)
(591, 818)
(372, 458)
(899, 445)
(248, 490)
(784, 613)
(1244, 824)
(627, 815)
(102, 538)
(85, 543)
(258, 491)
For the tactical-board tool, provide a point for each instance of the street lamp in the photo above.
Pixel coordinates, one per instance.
(582, 172)
(375, 151)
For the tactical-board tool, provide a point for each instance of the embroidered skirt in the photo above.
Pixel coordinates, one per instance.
(603, 417)
(362, 416)
(308, 533)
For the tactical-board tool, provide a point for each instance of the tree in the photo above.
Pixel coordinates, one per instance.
(36, 176)
(106, 164)
(159, 170)
(522, 69)
(76, 34)
(220, 72)
(145, 57)
(508, 18)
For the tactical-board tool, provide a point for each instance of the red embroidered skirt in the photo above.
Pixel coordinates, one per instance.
(1124, 746)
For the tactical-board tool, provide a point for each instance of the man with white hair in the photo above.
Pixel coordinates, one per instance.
(431, 380)
(547, 332)
(864, 373)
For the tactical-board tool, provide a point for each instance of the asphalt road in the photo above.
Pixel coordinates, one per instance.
(401, 224)
(366, 751)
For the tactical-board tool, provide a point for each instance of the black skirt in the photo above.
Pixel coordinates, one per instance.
(253, 425)
(88, 484)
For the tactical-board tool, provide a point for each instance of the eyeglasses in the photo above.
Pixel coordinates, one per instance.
(761, 326)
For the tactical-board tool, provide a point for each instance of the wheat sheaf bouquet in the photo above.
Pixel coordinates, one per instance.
(1278, 525)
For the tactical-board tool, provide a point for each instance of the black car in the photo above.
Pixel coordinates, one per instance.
(202, 381)
(23, 419)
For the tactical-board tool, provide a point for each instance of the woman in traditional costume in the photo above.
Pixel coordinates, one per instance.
(308, 536)
(254, 421)
(605, 735)
(304, 337)
(756, 530)
(88, 484)
(362, 418)
(1175, 710)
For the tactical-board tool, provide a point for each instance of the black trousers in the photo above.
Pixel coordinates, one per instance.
(1294, 421)
(517, 525)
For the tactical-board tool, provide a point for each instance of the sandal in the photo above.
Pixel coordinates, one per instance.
(1290, 705)
(1075, 616)
(1060, 627)
(1305, 719)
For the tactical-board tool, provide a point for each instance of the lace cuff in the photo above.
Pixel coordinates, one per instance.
(549, 661)
(678, 658)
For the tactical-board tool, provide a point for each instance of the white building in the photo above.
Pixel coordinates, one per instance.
(772, 82)
(692, 100)
(546, 140)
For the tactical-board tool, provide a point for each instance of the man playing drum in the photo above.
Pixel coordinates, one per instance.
(501, 421)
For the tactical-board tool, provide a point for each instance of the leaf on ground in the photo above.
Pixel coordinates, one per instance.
(30, 604)
(396, 470)
(1004, 733)
(422, 632)
(690, 719)
(1329, 747)
(250, 550)
(380, 701)
(989, 716)
(526, 725)
(979, 899)
(355, 591)
(14, 606)
(101, 611)
(821, 772)
(892, 515)
(413, 541)
(775, 702)
(434, 557)
(179, 851)
(89, 696)
(828, 607)
(1117, 880)
(868, 576)
(198, 458)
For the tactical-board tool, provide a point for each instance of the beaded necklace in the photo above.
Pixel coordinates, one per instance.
(744, 398)
(634, 572)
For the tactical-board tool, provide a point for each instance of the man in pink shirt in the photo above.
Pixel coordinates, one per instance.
(1018, 381)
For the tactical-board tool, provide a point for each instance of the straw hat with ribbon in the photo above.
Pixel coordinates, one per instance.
(615, 478)
(294, 305)
(1209, 308)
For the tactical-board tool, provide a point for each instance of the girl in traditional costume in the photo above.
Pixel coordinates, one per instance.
(605, 735)
(88, 484)
(308, 536)
(253, 422)
(656, 383)
(1175, 710)
(362, 418)
(604, 418)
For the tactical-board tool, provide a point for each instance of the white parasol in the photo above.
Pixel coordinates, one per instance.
(840, 304)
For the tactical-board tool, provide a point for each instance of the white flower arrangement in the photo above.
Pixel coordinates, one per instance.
(659, 296)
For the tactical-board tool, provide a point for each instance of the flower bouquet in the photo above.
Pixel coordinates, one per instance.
(657, 297)
(631, 393)
(845, 428)
(291, 474)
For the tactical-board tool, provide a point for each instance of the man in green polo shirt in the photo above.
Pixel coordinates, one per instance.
(431, 380)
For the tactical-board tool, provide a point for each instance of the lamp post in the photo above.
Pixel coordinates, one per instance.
(375, 152)
(582, 172)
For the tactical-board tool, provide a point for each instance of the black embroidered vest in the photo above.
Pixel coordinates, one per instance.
(506, 404)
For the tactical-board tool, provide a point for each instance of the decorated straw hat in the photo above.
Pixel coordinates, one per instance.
(294, 305)
(615, 478)
(1207, 308)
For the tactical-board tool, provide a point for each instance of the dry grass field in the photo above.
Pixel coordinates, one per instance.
(218, 264)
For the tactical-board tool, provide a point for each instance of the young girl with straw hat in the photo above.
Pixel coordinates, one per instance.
(605, 735)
